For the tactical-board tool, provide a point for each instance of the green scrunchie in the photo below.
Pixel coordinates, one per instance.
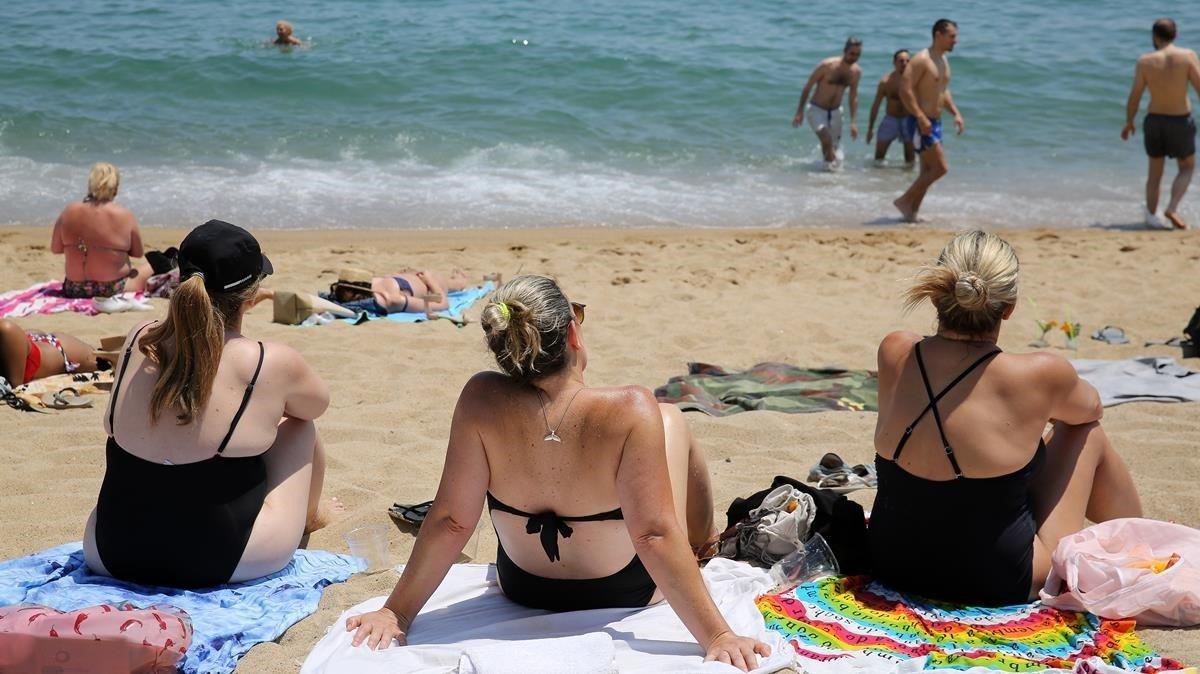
(504, 310)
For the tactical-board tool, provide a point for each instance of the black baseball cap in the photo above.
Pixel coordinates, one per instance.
(227, 256)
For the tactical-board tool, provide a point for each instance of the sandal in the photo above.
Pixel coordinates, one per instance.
(410, 514)
(1110, 334)
(60, 401)
(843, 483)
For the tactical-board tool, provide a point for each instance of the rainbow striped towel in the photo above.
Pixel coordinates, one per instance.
(853, 624)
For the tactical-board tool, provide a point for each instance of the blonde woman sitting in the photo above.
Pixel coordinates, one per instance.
(595, 492)
(99, 238)
(213, 468)
(972, 498)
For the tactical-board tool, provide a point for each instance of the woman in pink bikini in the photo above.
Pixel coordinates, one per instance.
(100, 239)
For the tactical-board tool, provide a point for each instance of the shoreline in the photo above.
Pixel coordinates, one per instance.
(657, 298)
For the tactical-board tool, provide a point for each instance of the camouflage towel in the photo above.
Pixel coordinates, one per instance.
(778, 387)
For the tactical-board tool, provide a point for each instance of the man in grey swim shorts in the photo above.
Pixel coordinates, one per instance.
(1168, 130)
(889, 128)
(831, 78)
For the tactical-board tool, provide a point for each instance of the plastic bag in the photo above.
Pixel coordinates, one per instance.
(774, 529)
(1129, 568)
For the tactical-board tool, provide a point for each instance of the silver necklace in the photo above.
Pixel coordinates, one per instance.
(552, 433)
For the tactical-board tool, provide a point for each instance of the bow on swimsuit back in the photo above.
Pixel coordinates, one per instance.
(177, 525)
(939, 538)
(630, 587)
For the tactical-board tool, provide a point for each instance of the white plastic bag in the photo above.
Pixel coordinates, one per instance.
(775, 528)
(1129, 568)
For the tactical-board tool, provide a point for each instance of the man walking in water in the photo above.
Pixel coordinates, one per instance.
(832, 77)
(1168, 130)
(925, 90)
(889, 129)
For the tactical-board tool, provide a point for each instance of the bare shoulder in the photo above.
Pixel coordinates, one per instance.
(623, 407)
(1047, 368)
(898, 343)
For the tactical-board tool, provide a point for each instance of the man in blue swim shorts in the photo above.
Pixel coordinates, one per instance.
(889, 129)
(925, 90)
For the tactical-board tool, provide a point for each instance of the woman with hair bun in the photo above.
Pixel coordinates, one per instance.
(595, 492)
(213, 468)
(972, 498)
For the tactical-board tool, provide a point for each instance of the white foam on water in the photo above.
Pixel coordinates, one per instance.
(523, 186)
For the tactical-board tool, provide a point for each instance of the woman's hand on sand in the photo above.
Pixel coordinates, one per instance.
(377, 629)
(737, 651)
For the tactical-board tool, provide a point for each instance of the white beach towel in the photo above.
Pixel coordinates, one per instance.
(584, 654)
(469, 611)
(1146, 379)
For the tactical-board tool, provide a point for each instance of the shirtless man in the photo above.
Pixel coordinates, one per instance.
(1168, 130)
(99, 237)
(925, 90)
(832, 77)
(283, 35)
(889, 129)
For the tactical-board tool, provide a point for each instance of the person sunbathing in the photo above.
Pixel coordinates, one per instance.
(972, 498)
(398, 293)
(26, 355)
(590, 488)
(213, 466)
(99, 239)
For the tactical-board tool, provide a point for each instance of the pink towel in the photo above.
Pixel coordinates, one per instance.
(42, 298)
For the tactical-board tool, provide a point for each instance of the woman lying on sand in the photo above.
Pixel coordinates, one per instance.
(213, 466)
(554, 457)
(399, 292)
(26, 355)
(99, 238)
(972, 499)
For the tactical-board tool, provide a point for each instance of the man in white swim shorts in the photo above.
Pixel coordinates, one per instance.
(831, 78)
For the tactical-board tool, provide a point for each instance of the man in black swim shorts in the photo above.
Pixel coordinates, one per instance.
(1169, 130)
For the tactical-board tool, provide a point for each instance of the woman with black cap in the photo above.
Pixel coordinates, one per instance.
(213, 465)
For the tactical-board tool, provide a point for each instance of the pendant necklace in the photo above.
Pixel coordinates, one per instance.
(552, 433)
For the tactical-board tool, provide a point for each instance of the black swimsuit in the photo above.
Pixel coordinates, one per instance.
(968, 539)
(628, 588)
(195, 540)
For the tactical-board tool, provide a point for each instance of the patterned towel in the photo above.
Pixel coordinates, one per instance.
(459, 300)
(854, 624)
(777, 387)
(228, 619)
(42, 298)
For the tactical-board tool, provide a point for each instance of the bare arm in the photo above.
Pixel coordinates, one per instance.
(908, 89)
(447, 527)
(1076, 402)
(135, 239)
(958, 118)
(879, 96)
(56, 242)
(854, 104)
(308, 395)
(435, 286)
(644, 491)
(812, 81)
(1194, 73)
(1135, 101)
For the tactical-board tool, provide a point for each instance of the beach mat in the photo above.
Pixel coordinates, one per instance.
(853, 624)
(468, 612)
(460, 301)
(42, 298)
(777, 387)
(227, 620)
(1145, 379)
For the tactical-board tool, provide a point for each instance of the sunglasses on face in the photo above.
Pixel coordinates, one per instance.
(577, 308)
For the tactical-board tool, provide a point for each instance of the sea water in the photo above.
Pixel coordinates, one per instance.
(525, 114)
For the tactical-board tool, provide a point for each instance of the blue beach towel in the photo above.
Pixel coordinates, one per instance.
(460, 301)
(227, 619)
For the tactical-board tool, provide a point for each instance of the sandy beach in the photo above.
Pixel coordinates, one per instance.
(657, 299)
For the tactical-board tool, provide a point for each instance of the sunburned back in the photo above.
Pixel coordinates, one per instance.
(993, 418)
(573, 478)
(167, 441)
(97, 240)
(1167, 72)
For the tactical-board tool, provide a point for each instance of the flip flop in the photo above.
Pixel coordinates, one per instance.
(1174, 341)
(410, 514)
(1110, 334)
(60, 401)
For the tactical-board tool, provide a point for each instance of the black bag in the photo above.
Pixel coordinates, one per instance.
(1192, 330)
(839, 520)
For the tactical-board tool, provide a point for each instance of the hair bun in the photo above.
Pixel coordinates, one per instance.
(970, 292)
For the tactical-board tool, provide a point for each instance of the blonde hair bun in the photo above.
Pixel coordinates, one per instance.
(525, 325)
(970, 284)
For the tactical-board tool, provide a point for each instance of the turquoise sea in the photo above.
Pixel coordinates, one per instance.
(512, 114)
